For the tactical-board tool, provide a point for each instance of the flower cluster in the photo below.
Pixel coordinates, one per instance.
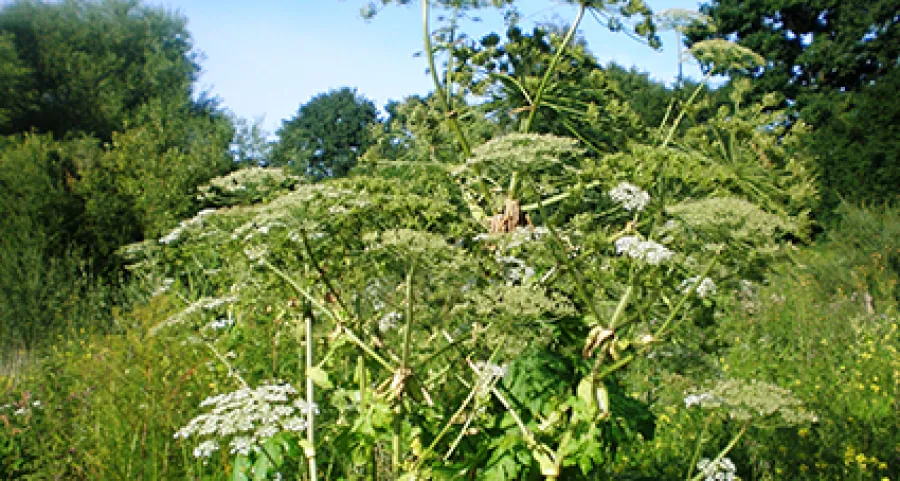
(643, 250)
(184, 225)
(745, 400)
(706, 287)
(389, 321)
(721, 470)
(248, 417)
(205, 303)
(490, 369)
(697, 399)
(220, 324)
(630, 196)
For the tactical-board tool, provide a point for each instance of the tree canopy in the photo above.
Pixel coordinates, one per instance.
(327, 134)
(834, 63)
(62, 58)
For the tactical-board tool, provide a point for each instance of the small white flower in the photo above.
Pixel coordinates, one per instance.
(722, 470)
(256, 253)
(247, 416)
(643, 250)
(205, 449)
(630, 196)
(306, 407)
(337, 209)
(265, 432)
(389, 321)
(220, 324)
(706, 287)
(293, 424)
(695, 399)
(241, 445)
(489, 369)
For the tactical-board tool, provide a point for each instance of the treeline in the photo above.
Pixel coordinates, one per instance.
(103, 144)
(836, 64)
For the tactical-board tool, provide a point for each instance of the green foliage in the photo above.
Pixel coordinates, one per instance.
(113, 81)
(327, 135)
(72, 54)
(836, 64)
(46, 285)
(381, 325)
(13, 78)
(856, 142)
(108, 406)
(146, 178)
(648, 98)
(826, 326)
(580, 100)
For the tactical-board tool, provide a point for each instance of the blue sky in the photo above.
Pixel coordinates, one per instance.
(268, 57)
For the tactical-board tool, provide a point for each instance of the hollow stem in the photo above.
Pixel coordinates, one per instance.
(310, 401)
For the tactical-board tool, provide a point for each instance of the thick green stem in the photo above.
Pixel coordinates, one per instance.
(438, 90)
(407, 335)
(231, 371)
(310, 402)
(685, 107)
(331, 315)
(661, 331)
(552, 67)
(402, 373)
(737, 437)
(445, 102)
(665, 325)
(696, 457)
(620, 308)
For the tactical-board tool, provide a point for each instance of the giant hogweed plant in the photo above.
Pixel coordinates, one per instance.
(476, 330)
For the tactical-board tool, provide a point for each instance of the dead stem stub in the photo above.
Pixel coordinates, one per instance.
(511, 218)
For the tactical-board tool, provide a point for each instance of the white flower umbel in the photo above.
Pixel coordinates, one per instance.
(206, 448)
(706, 288)
(697, 399)
(721, 470)
(185, 225)
(205, 303)
(389, 321)
(220, 324)
(643, 250)
(246, 418)
(630, 196)
(490, 369)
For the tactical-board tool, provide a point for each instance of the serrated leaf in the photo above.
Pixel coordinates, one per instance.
(240, 468)
(270, 460)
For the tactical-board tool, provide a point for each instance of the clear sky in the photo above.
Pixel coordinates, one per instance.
(268, 57)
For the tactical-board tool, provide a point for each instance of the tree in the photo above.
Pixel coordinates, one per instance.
(327, 134)
(83, 66)
(250, 144)
(828, 45)
(14, 74)
(146, 179)
(833, 61)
